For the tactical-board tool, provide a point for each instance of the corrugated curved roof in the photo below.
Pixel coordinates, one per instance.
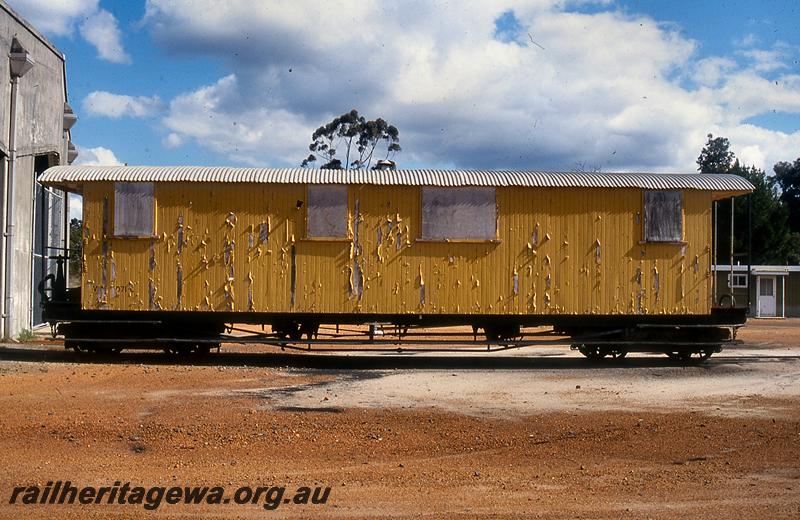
(76, 175)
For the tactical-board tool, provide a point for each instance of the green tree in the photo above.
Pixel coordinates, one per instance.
(771, 236)
(771, 240)
(355, 136)
(716, 156)
(75, 246)
(787, 176)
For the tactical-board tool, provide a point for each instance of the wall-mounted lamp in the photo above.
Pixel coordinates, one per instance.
(72, 153)
(19, 60)
(69, 117)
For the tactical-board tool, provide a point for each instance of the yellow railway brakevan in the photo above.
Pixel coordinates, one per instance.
(298, 247)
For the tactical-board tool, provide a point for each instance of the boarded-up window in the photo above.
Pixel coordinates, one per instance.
(459, 214)
(326, 215)
(134, 209)
(663, 216)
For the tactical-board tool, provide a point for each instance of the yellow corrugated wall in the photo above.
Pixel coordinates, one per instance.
(569, 251)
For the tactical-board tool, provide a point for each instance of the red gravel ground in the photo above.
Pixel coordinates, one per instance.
(154, 422)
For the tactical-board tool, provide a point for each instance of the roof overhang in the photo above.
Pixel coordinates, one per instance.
(73, 177)
(760, 270)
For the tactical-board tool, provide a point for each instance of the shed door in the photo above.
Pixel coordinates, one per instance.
(47, 237)
(766, 296)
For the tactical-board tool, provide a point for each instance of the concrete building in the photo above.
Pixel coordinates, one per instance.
(772, 291)
(34, 135)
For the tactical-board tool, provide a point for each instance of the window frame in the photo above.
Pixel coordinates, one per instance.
(732, 279)
(645, 239)
(467, 240)
(347, 236)
(115, 217)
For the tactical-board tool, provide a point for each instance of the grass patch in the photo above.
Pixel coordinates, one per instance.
(26, 336)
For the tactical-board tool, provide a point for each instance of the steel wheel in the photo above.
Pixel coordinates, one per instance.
(174, 350)
(683, 356)
(79, 348)
(705, 354)
(616, 353)
(591, 352)
(201, 349)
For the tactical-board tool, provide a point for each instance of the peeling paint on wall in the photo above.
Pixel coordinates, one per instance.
(263, 231)
(179, 241)
(151, 295)
(293, 275)
(356, 274)
(230, 220)
(151, 265)
(656, 283)
(102, 298)
(250, 306)
(379, 244)
(113, 262)
(421, 281)
(398, 221)
(462, 277)
(179, 283)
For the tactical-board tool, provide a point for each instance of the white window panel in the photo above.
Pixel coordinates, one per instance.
(737, 281)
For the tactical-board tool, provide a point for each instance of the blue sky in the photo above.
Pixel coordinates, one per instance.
(543, 84)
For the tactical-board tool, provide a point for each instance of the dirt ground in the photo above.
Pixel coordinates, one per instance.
(536, 433)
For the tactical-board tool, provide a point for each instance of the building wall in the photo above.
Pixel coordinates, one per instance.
(739, 293)
(40, 106)
(574, 251)
(40, 109)
(793, 295)
(792, 285)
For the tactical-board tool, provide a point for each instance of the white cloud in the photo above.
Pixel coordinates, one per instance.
(606, 89)
(765, 60)
(710, 71)
(748, 40)
(60, 18)
(760, 147)
(209, 116)
(98, 156)
(101, 103)
(174, 140)
(57, 17)
(745, 94)
(751, 155)
(75, 204)
(101, 30)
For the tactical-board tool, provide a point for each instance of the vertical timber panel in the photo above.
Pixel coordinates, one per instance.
(547, 236)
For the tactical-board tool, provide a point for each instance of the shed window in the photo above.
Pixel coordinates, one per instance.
(459, 214)
(326, 215)
(663, 216)
(134, 209)
(737, 281)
